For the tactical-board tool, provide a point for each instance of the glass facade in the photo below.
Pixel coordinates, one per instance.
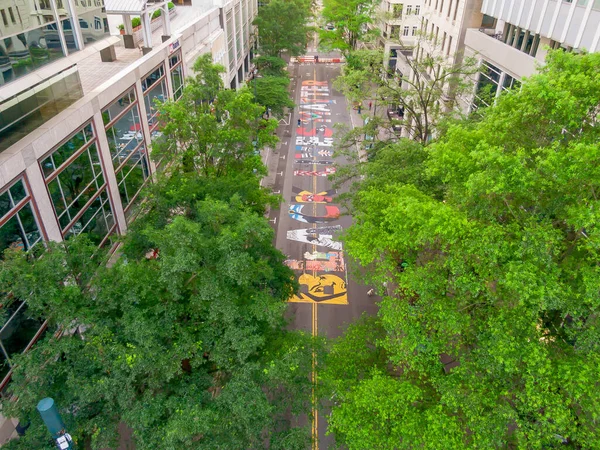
(127, 148)
(30, 35)
(154, 86)
(18, 222)
(18, 230)
(176, 67)
(26, 111)
(77, 187)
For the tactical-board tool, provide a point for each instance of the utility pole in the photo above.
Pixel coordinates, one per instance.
(49, 412)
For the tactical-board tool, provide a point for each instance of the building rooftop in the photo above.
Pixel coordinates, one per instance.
(93, 71)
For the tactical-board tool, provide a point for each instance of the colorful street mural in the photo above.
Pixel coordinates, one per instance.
(325, 289)
(323, 271)
(318, 261)
(314, 173)
(319, 236)
(309, 197)
(319, 162)
(307, 152)
(332, 213)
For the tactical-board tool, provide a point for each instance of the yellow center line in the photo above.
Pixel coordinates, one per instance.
(315, 324)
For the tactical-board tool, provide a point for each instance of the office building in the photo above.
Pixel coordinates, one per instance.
(78, 117)
(398, 23)
(515, 35)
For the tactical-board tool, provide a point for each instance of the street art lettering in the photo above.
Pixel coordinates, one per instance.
(317, 100)
(322, 162)
(318, 262)
(314, 83)
(327, 142)
(307, 115)
(321, 236)
(315, 107)
(321, 131)
(332, 213)
(326, 289)
(309, 197)
(308, 152)
(314, 173)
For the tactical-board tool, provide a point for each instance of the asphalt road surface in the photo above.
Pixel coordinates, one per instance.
(308, 221)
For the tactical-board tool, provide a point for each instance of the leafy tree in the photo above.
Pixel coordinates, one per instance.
(214, 131)
(283, 26)
(187, 349)
(271, 66)
(424, 96)
(350, 19)
(272, 93)
(487, 246)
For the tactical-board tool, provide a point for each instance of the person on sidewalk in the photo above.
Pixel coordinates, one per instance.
(359, 108)
(316, 58)
(370, 105)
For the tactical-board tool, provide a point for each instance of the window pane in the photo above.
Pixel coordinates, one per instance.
(132, 177)
(118, 106)
(124, 136)
(18, 332)
(62, 153)
(17, 191)
(159, 93)
(5, 204)
(96, 221)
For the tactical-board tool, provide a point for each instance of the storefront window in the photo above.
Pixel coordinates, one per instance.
(97, 221)
(125, 135)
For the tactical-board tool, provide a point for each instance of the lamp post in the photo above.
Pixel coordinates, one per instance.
(49, 412)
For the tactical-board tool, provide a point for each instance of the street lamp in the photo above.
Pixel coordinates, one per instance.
(49, 412)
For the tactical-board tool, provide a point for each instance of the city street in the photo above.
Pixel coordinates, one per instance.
(308, 222)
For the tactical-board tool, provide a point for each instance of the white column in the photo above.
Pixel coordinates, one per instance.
(61, 34)
(109, 173)
(146, 30)
(43, 202)
(583, 24)
(127, 24)
(76, 27)
(538, 28)
(166, 21)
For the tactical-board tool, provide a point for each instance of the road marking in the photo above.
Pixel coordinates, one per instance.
(274, 220)
(282, 157)
(280, 173)
(277, 192)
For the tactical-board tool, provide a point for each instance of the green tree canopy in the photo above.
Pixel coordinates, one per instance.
(283, 26)
(211, 130)
(272, 93)
(350, 19)
(488, 249)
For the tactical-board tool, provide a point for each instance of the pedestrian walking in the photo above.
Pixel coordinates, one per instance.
(359, 108)
(370, 104)
(371, 292)
(299, 122)
(316, 58)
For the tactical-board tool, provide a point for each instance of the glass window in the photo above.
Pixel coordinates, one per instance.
(66, 150)
(405, 31)
(152, 78)
(97, 221)
(177, 80)
(125, 135)
(157, 92)
(20, 228)
(408, 9)
(174, 59)
(118, 106)
(18, 331)
(131, 178)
